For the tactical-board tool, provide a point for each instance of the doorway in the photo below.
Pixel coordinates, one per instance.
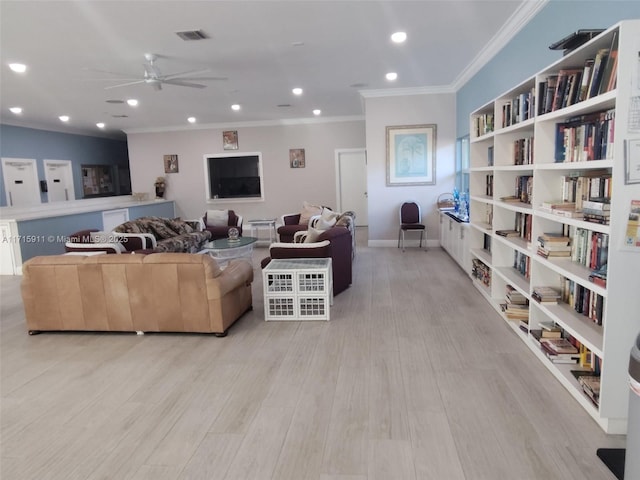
(59, 178)
(20, 182)
(351, 183)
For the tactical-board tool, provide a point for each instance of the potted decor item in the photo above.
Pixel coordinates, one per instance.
(160, 185)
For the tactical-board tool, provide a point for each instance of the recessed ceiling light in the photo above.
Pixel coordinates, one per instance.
(16, 110)
(100, 124)
(317, 111)
(132, 102)
(235, 107)
(297, 91)
(391, 76)
(64, 118)
(191, 119)
(18, 67)
(398, 37)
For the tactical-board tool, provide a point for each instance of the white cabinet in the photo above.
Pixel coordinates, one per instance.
(523, 155)
(454, 239)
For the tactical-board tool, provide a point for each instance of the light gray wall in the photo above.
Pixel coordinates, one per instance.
(384, 202)
(285, 188)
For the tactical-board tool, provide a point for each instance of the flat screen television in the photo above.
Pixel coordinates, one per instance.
(234, 176)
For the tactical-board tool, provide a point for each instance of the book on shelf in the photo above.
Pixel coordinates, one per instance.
(591, 387)
(508, 233)
(559, 346)
(551, 237)
(586, 78)
(553, 253)
(596, 212)
(546, 295)
(597, 203)
(541, 333)
(598, 69)
(554, 246)
(490, 156)
(550, 326)
(511, 199)
(610, 64)
(558, 205)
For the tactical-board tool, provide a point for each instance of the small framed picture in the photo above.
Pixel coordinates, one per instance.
(230, 140)
(296, 158)
(171, 164)
(632, 161)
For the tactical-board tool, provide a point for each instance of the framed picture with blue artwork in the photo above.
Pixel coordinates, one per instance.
(411, 155)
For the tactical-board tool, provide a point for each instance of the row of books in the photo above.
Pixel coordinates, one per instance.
(483, 124)
(590, 248)
(523, 190)
(584, 301)
(481, 272)
(519, 109)
(523, 151)
(585, 138)
(596, 76)
(522, 264)
(593, 186)
(489, 185)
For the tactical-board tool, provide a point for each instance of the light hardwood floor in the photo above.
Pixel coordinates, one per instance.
(414, 377)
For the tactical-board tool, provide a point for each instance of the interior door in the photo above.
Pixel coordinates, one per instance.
(351, 178)
(59, 180)
(20, 182)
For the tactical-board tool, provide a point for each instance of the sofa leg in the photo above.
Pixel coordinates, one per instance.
(34, 332)
(221, 335)
(139, 332)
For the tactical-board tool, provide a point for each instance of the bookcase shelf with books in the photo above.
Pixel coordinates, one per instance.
(549, 209)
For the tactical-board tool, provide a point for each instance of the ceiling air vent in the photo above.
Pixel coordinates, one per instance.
(190, 35)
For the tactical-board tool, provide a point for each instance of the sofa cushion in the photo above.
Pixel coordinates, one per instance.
(308, 211)
(179, 226)
(217, 218)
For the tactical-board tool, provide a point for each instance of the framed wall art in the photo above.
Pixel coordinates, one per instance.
(230, 140)
(296, 158)
(411, 155)
(171, 164)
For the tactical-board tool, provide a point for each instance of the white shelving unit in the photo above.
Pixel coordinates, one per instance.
(611, 342)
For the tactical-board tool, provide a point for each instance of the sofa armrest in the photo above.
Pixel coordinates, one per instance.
(136, 241)
(93, 247)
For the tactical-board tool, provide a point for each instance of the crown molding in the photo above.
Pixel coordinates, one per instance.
(512, 26)
(403, 92)
(261, 123)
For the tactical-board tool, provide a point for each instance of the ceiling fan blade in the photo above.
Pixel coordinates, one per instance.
(125, 84)
(188, 73)
(181, 83)
(205, 78)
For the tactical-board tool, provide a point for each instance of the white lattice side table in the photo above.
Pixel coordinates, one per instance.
(297, 289)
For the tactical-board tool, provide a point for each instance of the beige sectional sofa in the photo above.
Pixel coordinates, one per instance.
(160, 292)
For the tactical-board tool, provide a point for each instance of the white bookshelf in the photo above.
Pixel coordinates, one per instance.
(611, 342)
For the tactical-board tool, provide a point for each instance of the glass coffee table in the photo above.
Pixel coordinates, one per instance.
(223, 250)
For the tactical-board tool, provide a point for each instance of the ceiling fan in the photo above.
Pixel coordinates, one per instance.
(152, 76)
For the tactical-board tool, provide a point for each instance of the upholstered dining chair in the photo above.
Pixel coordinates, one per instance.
(410, 220)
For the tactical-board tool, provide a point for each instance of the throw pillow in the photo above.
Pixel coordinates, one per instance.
(327, 219)
(217, 218)
(313, 234)
(308, 211)
(179, 226)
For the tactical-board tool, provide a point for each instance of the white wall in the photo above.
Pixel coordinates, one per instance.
(285, 188)
(384, 202)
